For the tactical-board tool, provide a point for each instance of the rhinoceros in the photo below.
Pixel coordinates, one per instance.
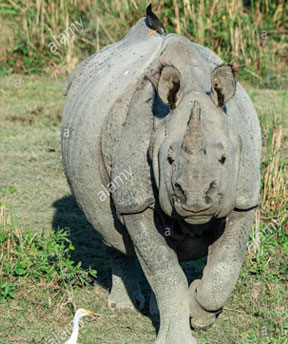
(161, 149)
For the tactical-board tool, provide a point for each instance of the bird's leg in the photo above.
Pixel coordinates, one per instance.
(151, 32)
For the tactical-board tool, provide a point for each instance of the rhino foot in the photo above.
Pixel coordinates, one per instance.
(200, 318)
(175, 334)
(122, 302)
(125, 294)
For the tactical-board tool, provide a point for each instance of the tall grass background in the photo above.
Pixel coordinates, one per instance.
(251, 34)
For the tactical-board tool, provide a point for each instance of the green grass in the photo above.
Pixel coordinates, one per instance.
(40, 287)
(37, 257)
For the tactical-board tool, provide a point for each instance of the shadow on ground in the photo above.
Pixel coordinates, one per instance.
(90, 250)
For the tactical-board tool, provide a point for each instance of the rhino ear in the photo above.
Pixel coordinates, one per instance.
(223, 84)
(169, 86)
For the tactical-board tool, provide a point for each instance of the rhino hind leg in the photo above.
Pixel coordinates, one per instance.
(153, 307)
(125, 294)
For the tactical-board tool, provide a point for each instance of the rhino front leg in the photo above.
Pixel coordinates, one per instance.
(125, 294)
(225, 258)
(165, 276)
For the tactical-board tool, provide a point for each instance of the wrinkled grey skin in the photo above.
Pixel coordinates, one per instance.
(160, 110)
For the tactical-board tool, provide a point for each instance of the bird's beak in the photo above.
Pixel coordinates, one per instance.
(90, 313)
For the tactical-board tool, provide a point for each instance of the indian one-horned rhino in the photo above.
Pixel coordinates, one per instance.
(161, 148)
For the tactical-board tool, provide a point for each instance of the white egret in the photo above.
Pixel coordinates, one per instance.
(78, 315)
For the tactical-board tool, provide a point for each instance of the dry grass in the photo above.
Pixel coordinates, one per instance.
(275, 179)
(13, 235)
(228, 27)
(272, 214)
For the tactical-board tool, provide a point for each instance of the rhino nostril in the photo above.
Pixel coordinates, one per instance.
(179, 188)
(208, 200)
(179, 192)
(211, 192)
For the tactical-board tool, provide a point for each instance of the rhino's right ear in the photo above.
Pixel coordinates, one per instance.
(223, 84)
(169, 86)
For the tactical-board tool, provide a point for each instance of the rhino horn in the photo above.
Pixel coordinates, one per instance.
(194, 139)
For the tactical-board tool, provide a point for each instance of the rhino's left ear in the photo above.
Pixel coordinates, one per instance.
(169, 86)
(223, 84)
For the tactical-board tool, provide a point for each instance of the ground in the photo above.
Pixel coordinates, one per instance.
(35, 193)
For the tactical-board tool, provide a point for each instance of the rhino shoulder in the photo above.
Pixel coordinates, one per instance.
(135, 194)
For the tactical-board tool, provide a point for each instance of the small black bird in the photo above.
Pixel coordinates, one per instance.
(154, 22)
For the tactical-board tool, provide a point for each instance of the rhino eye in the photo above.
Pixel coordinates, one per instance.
(170, 160)
(222, 159)
(171, 156)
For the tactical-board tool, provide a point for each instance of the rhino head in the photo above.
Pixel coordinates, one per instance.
(196, 152)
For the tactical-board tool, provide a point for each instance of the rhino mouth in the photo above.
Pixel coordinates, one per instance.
(198, 219)
(190, 217)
